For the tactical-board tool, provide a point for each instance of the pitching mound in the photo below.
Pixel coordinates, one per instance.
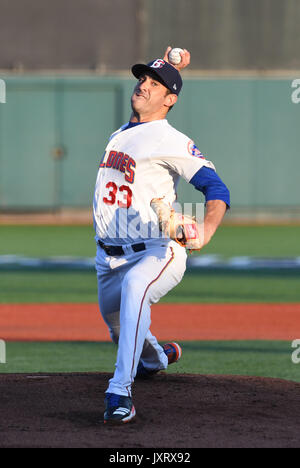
(173, 411)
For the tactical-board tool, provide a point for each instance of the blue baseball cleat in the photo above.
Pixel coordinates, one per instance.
(119, 409)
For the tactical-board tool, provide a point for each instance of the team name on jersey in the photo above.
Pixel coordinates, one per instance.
(121, 162)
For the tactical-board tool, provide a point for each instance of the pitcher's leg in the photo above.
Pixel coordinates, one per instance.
(134, 325)
(153, 356)
(109, 298)
(160, 270)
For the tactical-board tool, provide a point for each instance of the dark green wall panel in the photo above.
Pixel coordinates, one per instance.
(89, 115)
(27, 129)
(248, 127)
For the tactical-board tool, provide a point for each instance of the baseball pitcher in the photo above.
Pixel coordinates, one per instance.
(141, 240)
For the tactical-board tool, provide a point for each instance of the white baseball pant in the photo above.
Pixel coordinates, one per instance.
(127, 287)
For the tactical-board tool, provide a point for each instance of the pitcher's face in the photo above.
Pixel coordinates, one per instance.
(150, 96)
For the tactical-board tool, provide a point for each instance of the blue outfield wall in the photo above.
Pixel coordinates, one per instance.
(53, 131)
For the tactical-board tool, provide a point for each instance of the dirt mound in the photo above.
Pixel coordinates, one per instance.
(173, 411)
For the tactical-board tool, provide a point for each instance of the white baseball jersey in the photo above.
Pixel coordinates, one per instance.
(139, 164)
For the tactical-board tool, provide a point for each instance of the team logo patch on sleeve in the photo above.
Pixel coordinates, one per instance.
(194, 151)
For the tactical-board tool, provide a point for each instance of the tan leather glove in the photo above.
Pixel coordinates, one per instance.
(181, 228)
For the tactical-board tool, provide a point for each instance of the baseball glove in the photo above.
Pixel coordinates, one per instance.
(181, 228)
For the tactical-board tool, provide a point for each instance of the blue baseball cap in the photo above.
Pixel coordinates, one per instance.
(166, 74)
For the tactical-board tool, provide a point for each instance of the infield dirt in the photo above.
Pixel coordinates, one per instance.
(173, 411)
(82, 322)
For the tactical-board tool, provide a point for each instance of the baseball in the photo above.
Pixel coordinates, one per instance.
(174, 56)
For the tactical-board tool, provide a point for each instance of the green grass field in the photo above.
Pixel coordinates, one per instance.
(80, 286)
(229, 241)
(62, 286)
(261, 358)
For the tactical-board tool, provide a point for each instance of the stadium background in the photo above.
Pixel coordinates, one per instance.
(66, 65)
